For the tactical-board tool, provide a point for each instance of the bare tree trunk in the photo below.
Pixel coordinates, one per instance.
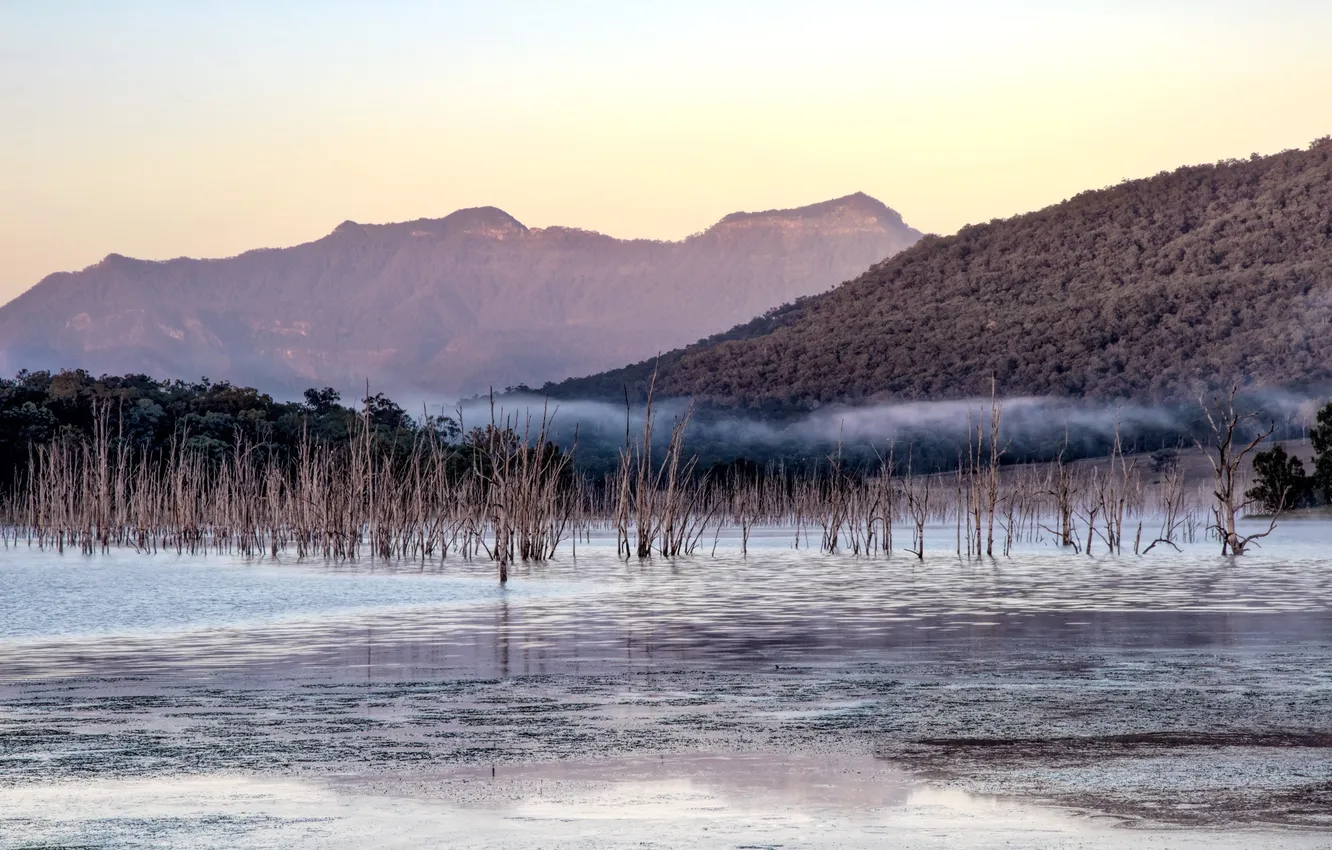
(1227, 462)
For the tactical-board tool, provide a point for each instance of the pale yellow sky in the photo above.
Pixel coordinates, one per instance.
(159, 129)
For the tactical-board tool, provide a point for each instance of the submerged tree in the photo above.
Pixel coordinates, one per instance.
(1227, 451)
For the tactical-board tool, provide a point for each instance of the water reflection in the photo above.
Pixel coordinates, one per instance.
(775, 607)
(728, 701)
(711, 801)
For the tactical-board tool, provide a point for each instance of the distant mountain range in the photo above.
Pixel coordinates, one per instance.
(442, 306)
(1151, 289)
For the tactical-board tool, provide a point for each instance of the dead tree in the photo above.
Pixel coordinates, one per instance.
(1064, 491)
(916, 489)
(1227, 462)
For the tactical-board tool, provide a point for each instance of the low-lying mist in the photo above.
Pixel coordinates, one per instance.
(931, 435)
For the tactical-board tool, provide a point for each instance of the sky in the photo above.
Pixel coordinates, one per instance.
(164, 129)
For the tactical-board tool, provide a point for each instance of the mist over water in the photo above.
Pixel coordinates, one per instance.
(1032, 428)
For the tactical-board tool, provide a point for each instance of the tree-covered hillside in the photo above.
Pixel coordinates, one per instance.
(1150, 289)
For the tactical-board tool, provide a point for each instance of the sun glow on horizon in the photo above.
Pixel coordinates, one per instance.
(157, 130)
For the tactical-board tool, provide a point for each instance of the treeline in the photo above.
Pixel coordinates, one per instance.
(210, 419)
(199, 467)
(199, 417)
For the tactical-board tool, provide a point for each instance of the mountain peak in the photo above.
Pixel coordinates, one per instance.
(485, 221)
(867, 204)
(114, 260)
(474, 219)
(860, 206)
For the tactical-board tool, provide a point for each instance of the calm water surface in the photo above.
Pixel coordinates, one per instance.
(65, 614)
(47, 595)
(161, 701)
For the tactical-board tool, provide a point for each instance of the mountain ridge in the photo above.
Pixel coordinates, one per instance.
(445, 305)
(351, 226)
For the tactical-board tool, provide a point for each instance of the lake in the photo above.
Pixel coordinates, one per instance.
(785, 697)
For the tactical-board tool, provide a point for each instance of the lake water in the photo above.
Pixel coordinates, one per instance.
(784, 698)
(68, 596)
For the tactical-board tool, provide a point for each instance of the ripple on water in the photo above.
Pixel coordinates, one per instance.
(132, 614)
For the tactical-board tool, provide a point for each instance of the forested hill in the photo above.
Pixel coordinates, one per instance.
(1148, 289)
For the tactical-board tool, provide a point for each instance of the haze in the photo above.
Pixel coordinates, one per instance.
(159, 129)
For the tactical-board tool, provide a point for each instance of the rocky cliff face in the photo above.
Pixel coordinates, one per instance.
(441, 306)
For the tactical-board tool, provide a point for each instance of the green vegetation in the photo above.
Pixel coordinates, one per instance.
(207, 418)
(93, 463)
(1321, 437)
(1153, 289)
(1282, 483)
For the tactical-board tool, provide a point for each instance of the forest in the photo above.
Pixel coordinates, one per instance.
(203, 417)
(203, 466)
(1155, 289)
(208, 419)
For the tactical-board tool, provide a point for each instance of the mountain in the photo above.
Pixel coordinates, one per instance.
(1150, 289)
(450, 305)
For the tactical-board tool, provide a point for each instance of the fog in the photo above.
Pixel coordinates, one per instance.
(1025, 421)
